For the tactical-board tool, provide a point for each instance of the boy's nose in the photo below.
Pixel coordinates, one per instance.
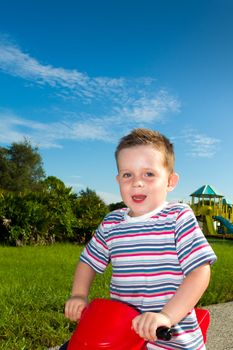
(138, 182)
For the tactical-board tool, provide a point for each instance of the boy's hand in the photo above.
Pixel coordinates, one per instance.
(74, 307)
(145, 325)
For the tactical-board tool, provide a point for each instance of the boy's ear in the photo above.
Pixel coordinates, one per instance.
(172, 181)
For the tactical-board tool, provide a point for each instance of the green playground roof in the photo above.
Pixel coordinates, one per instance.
(206, 191)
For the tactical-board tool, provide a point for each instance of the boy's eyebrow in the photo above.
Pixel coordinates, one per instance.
(122, 170)
(144, 169)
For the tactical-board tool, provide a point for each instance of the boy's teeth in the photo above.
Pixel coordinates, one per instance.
(139, 197)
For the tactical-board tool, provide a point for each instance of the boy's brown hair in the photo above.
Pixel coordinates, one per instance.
(143, 137)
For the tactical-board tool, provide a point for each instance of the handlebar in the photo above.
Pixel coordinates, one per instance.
(164, 333)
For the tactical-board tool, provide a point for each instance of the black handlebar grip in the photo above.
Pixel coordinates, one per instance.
(164, 333)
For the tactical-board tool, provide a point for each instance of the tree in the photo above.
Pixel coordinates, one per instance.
(60, 203)
(35, 209)
(20, 167)
(40, 217)
(115, 206)
(90, 210)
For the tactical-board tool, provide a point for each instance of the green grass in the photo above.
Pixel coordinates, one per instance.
(220, 289)
(36, 281)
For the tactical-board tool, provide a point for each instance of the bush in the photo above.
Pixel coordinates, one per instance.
(36, 217)
(52, 215)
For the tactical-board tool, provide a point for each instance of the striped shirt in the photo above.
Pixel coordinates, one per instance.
(150, 257)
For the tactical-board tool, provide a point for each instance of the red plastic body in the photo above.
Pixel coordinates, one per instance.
(106, 325)
(203, 318)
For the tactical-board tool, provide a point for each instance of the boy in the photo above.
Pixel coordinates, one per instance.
(160, 258)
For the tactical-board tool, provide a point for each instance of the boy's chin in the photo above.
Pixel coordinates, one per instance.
(135, 213)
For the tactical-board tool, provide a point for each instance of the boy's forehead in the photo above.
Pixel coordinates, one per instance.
(139, 149)
(159, 153)
(139, 152)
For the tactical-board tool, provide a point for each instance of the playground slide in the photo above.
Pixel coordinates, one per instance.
(225, 223)
(210, 225)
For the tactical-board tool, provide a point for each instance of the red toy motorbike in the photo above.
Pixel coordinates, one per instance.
(106, 325)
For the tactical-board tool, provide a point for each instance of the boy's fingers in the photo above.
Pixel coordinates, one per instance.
(138, 325)
(135, 323)
(152, 331)
(70, 311)
(145, 327)
(79, 311)
(141, 328)
(73, 311)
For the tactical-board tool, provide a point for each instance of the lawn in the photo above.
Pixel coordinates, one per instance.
(36, 281)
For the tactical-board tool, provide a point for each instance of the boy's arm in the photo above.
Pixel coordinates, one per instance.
(83, 278)
(188, 294)
(183, 301)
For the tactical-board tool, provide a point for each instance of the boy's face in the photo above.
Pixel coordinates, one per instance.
(143, 179)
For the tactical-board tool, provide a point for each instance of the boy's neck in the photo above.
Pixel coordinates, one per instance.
(146, 215)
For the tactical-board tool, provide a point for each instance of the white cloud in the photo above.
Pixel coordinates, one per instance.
(15, 62)
(108, 197)
(200, 145)
(75, 186)
(151, 109)
(50, 134)
(119, 104)
(14, 128)
(72, 83)
(89, 130)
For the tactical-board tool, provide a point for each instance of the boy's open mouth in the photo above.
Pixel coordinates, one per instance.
(138, 198)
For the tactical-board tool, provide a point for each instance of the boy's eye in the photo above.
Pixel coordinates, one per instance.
(126, 175)
(149, 174)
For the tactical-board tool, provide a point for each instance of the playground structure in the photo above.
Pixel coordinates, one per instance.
(214, 213)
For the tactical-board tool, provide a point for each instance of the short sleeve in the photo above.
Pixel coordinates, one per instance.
(96, 253)
(192, 247)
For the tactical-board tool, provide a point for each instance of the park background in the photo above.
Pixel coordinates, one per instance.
(75, 76)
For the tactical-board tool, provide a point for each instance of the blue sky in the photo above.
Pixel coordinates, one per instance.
(75, 76)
